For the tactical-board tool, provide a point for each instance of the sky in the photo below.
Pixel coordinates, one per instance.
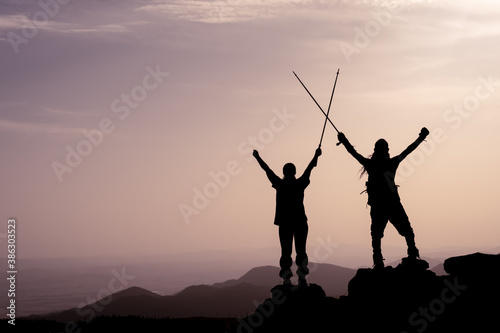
(127, 127)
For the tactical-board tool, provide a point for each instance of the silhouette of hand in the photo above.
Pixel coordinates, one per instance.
(318, 152)
(341, 137)
(255, 153)
(423, 133)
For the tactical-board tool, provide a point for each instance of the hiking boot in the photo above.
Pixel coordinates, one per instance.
(413, 253)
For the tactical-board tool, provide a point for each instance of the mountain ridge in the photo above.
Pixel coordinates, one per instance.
(218, 299)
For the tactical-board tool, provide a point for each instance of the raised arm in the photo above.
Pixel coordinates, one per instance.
(270, 173)
(312, 164)
(421, 137)
(360, 158)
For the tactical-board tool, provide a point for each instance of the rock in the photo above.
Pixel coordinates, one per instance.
(476, 281)
(414, 264)
(408, 279)
(291, 308)
(474, 268)
(384, 299)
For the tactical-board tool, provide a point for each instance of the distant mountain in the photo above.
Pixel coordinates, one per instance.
(267, 276)
(332, 278)
(134, 292)
(194, 301)
(232, 298)
(439, 269)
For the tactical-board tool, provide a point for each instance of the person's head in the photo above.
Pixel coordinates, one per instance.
(289, 170)
(381, 149)
(380, 152)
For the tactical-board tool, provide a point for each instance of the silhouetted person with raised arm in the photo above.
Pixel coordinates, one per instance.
(383, 194)
(290, 215)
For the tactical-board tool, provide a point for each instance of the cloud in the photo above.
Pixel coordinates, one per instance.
(15, 23)
(226, 11)
(36, 128)
(9, 22)
(221, 11)
(27, 118)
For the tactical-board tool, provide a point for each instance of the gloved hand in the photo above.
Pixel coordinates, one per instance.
(423, 133)
(318, 152)
(341, 137)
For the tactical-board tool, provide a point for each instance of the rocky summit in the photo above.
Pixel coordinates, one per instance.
(407, 298)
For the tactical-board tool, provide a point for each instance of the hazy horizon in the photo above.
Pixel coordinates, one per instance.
(127, 126)
(331, 253)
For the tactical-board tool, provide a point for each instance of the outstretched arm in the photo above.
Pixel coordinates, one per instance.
(360, 158)
(270, 173)
(421, 137)
(312, 164)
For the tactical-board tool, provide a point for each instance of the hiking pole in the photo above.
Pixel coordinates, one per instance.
(316, 103)
(328, 111)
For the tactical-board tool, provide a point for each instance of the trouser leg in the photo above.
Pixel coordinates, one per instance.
(400, 220)
(379, 221)
(286, 241)
(377, 246)
(301, 259)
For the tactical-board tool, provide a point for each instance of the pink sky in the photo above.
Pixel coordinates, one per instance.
(171, 93)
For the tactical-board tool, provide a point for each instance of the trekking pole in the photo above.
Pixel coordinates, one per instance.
(317, 104)
(328, 111)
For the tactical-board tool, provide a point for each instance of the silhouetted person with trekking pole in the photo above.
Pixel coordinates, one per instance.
(290, 215)
(383, 194)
